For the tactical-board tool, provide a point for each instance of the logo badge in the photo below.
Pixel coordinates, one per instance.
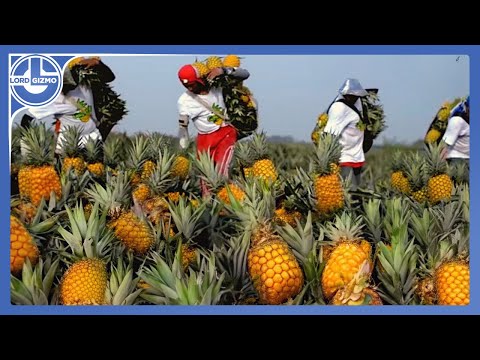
(35, 80)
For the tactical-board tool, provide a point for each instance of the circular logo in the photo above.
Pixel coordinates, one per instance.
(35, 80)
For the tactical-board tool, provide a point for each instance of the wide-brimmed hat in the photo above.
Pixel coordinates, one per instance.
(352, 87)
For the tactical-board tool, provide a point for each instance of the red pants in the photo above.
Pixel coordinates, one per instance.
(221, 144)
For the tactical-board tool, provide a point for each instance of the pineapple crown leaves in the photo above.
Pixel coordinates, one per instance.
(401, 267)
(373, 219)
(187, 219)
(112, 151)
(209, 171)
(138, 151)
(121, 288)
(259, 145)
(243, 153)
(232, 258)
(70, 140)
(113, 196)
(35, 284)
(169, 285)
(414, 169)
(398, 211)
(87, 239)
(344, 227)
(93, 150)
(161, 179)
(300, 239)
(397, 163)
(38, 145)
(435, 165)
(327, 151)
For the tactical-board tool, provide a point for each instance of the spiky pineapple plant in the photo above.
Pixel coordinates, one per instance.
(113, 153)
(414, 172)
(329, 192)
(89, 245)
(37, 176)
(440, 184)
(344, 253)
(128, 224)
(73, 150)
(275, 272)
(262, 167)
(94, 157)
(34, 286)
(398, 256)
(398, 180)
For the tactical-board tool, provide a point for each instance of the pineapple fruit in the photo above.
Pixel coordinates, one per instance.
(275, 272)
(234, 189)
(213, 62)
(202, 68)
(93, 157)
(263, 166)
(73, 151)
(85, 280)
(327, 182)
(37, 177)
(452, 281)
(231, 61)
(181, 167)
(129, 226)
(22, 246)
(414, 172)
(346, 255)
(440, 184)
(398, 180)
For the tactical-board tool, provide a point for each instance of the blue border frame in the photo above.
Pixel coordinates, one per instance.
(473, 51)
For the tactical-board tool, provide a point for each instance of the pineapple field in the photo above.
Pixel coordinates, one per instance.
(123, 223)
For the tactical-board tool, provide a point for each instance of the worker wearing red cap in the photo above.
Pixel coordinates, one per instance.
(205, 107)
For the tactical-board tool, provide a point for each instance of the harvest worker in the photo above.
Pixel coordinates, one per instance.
(205, 107)
(457, 134)
(345, 119)
(74, 106)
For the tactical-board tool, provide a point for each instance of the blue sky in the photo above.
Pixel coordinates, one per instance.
(293, 89)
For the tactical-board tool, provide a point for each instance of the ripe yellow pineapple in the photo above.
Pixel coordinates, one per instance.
(202, 68)
(141, 193)
(398, 180)
(452, 281)
(189, 255)
(263, 167)
(84, 283)
(347, 255)
(73, 157)
(25, 211)
(236, 191)
(273, 268)
(93, 157)
(328, 187)
(358, 291)
(283, 216)
(37, 177)
(85, 280)
(147, 169)
(432, 136)
(231, 61)
(440, 184)
(213, 62)
(181, 167)
(22, 246)
(128, 226)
